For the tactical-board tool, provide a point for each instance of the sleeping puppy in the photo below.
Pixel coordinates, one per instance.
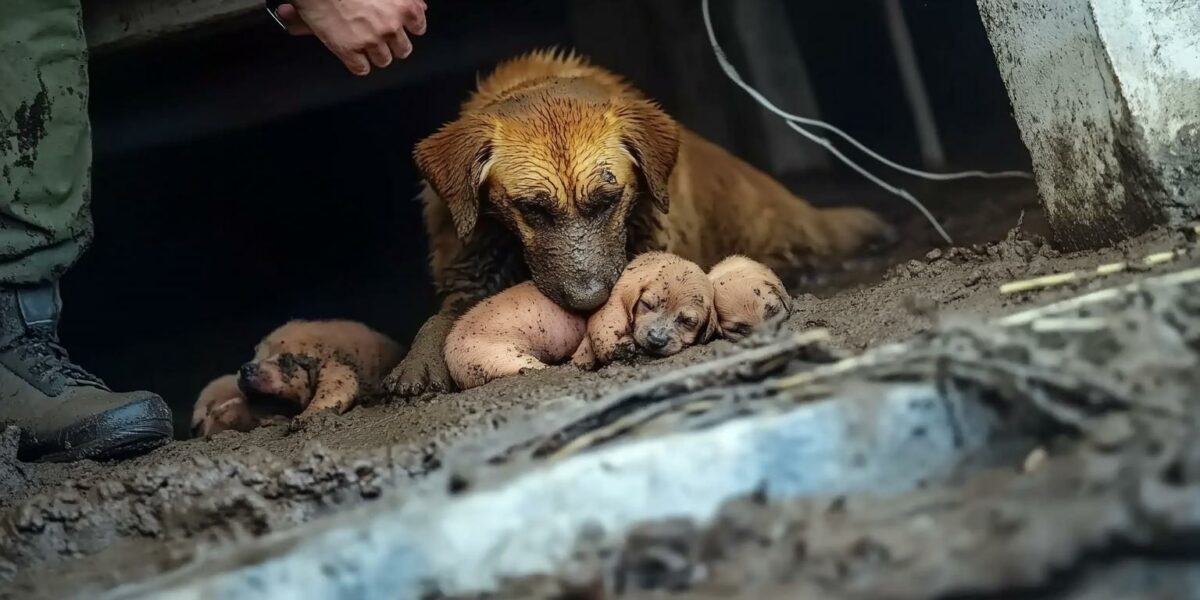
(660, 305)
(514, 331)
(747, 294)
(318, 365)
(222, 406)
(559, 171)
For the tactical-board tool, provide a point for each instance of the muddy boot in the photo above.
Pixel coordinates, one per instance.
(64, 412)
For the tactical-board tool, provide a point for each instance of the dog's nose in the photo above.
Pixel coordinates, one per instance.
(588, 297)
(248, 370)
(657, 339)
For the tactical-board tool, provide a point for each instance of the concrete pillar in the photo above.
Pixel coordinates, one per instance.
(1107, 96)
(774, 65)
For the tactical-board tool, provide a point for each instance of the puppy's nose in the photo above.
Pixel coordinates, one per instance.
(588, 296)
(248, 371)
(657, 339)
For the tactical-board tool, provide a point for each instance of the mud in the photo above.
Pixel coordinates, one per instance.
(146, 514)
(1114, 405)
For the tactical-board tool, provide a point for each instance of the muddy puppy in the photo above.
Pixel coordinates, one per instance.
(222, 406)
(747, 294)
(318, 365)
(659, 305)
(514, 331)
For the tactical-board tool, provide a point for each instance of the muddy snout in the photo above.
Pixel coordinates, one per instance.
(657, 338)
(254, 378)
(577, 265)
(584, 293)
(589, 295)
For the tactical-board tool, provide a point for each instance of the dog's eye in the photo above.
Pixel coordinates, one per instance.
(771, 310)
(645, 304)
(533, 212)
(601, 202)
(688, 322)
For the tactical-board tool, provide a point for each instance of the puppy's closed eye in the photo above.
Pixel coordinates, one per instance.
(688, 322)
(735, 328)
(771, 310)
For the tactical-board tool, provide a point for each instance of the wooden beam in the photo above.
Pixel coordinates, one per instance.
(114, 24)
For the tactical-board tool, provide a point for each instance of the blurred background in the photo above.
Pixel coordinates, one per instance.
(244, 178)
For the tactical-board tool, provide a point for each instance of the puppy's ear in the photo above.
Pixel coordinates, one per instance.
(455, 162)
(631, 295)
(784, 298)
(652, 138)
(712, 329)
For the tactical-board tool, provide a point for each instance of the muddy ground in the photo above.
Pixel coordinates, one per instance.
(146, 514)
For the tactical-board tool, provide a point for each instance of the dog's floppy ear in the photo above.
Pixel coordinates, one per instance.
(455, 162)
(630, 296)
(653, 139)
(785, 299)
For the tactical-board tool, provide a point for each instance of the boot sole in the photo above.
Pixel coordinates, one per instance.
(135, 428)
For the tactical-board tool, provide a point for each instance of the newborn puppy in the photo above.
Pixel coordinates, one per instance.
(318, 365)
(747, 294)
(660, 305)
(223, 406)
(509, 333)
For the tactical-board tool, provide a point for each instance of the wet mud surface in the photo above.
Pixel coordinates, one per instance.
(97, 524)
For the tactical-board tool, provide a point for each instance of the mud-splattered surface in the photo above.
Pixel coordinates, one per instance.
(146, 514)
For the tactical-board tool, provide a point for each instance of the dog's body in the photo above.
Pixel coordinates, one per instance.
(319, 365)
(660, 305)
(747, 294)
(516, 330)
(559, 171)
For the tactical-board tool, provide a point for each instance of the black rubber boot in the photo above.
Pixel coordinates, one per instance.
(64, 412)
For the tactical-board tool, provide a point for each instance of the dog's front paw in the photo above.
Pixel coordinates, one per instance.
(419, 374)
(423, 371)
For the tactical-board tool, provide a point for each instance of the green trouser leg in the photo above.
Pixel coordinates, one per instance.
(45, 140)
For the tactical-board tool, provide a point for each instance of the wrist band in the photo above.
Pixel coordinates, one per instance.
(273, 6)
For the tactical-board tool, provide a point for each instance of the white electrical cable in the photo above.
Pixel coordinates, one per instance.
(794, 121)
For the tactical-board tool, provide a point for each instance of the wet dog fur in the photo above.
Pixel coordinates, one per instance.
(559, 171)
(747, 294)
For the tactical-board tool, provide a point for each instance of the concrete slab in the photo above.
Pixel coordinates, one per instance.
(1107, 96)
(878, 440)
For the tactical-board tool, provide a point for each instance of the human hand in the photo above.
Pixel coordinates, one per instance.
(360, 33)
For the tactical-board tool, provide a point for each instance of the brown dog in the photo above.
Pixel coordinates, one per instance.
(318, 365)
(560, 171)
(660, 305)
(747, 294)
(514, 331)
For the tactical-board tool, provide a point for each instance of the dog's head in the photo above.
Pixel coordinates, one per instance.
(278, 374)
(669, 302)
(562, 166)
(747, 294)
